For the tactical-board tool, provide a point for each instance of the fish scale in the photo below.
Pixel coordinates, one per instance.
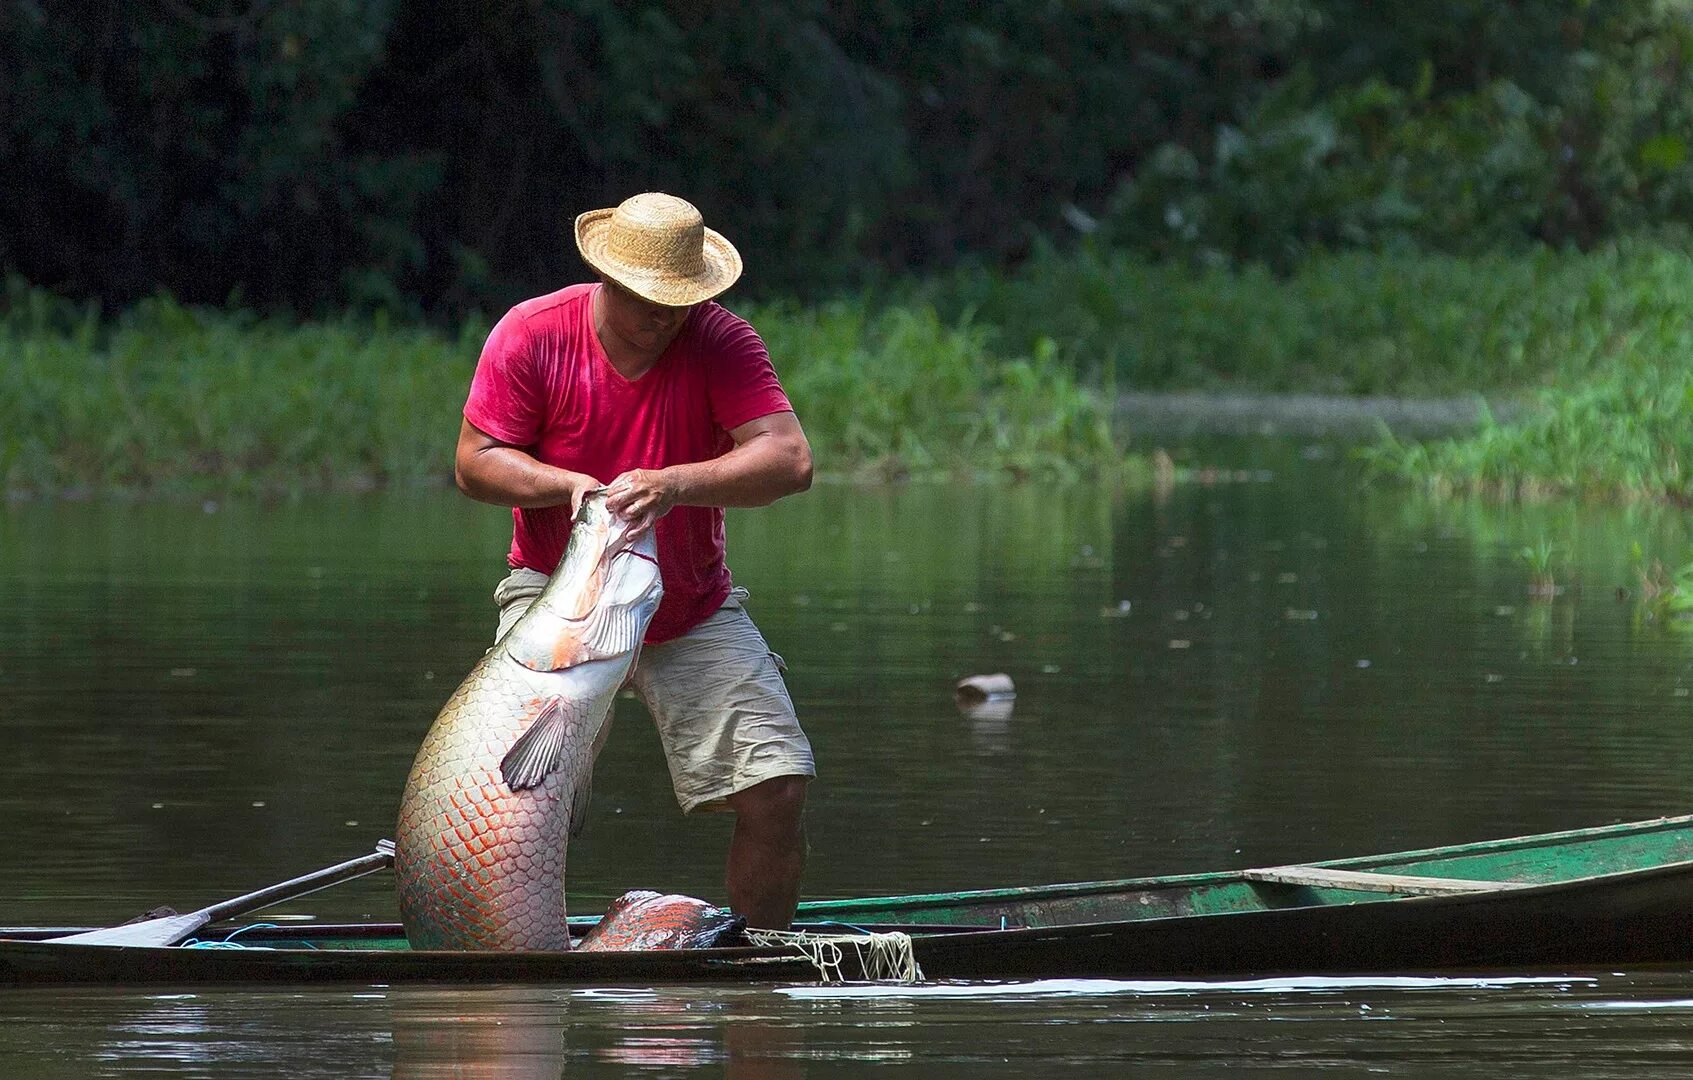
(480, 858)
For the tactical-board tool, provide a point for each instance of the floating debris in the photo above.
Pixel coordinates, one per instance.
(1300, 614)
(1180, 643)
(976, 689)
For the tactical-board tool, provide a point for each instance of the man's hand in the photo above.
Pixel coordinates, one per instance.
(642, 495)
(580, 485)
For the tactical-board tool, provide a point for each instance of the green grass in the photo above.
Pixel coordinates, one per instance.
(900, 391)
(172, 399)
(974, 373)
(1600, 343)
(1356, 323)
(1624, 432)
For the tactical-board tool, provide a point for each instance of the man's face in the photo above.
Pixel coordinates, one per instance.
(648, 326)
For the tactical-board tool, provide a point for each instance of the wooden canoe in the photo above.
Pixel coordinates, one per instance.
(1611, 895)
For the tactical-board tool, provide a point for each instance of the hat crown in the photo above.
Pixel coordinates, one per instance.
(657, 246)
(658, 232)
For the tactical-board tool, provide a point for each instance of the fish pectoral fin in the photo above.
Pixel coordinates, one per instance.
(538, 752)
(606, 632)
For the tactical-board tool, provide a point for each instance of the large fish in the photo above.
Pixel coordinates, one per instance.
(502, 778)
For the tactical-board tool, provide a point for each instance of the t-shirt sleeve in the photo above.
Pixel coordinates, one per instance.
(505, 399)
(742, 381)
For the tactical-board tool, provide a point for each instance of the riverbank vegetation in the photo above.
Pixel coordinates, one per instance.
(962, 232)
(169, 398)
(1408, 323)
(1624, 431)
(966, 373)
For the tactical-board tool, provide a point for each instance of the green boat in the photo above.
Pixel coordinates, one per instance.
(1606, 896)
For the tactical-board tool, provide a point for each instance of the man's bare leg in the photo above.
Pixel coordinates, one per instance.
(767, 852)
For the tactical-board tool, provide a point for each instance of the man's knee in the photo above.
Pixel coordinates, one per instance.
(774, 805)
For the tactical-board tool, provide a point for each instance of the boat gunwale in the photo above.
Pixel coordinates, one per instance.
(1221, 877)
(964, 934)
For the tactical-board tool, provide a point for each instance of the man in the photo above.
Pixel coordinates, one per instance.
(641, 380)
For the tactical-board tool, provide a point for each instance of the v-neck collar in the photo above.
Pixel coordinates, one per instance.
(605, 357)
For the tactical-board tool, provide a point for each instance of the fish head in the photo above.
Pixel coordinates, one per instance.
(599, 602)
(643, 919)
(602, 528)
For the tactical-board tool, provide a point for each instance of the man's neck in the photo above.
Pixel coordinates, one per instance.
(628, 359)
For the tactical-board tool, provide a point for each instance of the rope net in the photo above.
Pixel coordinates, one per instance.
(872, 957)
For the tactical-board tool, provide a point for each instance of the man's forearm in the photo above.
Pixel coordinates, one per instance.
(755, 473)
(508, 476)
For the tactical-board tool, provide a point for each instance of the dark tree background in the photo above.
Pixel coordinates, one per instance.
(429, 158)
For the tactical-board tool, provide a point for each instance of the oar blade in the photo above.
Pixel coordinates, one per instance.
(151, 932)
(173, 929)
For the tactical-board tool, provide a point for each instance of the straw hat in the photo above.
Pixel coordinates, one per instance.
(657, 246)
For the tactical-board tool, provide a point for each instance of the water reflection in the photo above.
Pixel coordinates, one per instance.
(526, 1034)
(1255, 672)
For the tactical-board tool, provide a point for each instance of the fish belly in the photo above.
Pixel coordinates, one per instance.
(480, 866)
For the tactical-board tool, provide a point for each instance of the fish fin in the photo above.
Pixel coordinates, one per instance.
(540, 750)
(579, 800)
(608, 631)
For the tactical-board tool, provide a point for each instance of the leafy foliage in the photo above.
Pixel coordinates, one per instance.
(430, 158)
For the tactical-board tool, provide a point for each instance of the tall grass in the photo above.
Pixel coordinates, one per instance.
(899, 391)
(174, 399)
(170, 398)
(975, 373)
(1625, 432)
(1359, 323)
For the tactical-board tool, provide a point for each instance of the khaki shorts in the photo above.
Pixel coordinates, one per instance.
(716, 695)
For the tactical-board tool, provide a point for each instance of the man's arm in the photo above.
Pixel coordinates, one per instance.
(492, 471)
(771, 458)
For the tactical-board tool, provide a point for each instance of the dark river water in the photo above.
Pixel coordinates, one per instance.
(200, 699)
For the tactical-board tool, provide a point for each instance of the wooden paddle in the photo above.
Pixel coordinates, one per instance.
(173, 929)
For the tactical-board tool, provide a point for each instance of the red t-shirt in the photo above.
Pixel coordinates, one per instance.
(544, 383)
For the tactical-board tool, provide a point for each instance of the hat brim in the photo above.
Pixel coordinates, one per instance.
(722, 265)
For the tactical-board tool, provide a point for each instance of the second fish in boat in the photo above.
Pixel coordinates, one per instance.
(502, 778)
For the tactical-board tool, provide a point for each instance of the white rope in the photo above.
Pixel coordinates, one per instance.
(880, 957)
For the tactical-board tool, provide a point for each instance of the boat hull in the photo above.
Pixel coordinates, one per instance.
(1615, 895)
